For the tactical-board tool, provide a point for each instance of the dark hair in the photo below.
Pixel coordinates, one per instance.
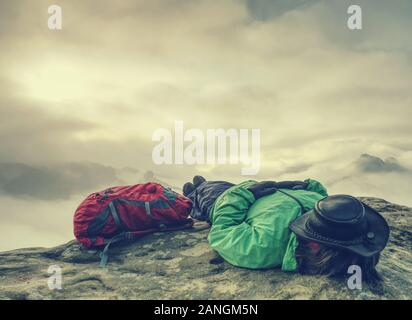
(333, 262)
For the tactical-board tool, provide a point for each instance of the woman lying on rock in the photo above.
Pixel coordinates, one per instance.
(294, 225)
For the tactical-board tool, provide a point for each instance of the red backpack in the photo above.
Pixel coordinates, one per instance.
(129, 212)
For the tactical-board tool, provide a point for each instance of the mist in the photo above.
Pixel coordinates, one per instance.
(78, 106)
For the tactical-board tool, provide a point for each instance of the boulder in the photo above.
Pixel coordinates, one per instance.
(181, 265)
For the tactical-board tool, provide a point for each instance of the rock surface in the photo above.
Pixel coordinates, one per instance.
(181, 265)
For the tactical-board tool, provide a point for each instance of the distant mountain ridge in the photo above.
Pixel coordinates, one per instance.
(367, 163)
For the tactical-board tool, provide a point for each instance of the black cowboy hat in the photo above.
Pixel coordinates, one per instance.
(344, 222)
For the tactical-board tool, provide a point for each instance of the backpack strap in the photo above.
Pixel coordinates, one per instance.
(115, 215)
(147, 209)
(104, 255)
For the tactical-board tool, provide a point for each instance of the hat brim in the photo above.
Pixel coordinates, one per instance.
(367, 248)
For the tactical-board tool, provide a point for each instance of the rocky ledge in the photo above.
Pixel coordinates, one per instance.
(181, 265)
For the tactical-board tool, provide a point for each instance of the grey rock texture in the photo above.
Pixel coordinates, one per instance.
(181, 265)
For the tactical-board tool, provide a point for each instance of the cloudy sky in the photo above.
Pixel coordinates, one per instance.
(78, 106)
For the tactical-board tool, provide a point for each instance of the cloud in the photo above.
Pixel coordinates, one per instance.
(29, 133)
(95, 91)
(54, 183)
(269, 9)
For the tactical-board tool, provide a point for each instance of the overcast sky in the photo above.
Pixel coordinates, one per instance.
(78, 106)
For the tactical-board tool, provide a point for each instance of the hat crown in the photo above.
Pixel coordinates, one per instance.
(340, 209)
(339, 217)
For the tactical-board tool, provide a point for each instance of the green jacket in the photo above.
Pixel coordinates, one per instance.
(255, 234)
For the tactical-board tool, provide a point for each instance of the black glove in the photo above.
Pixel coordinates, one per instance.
(293, 185)
(263, 188)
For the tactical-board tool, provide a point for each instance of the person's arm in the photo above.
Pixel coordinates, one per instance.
(316, 186)
(235, 240)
